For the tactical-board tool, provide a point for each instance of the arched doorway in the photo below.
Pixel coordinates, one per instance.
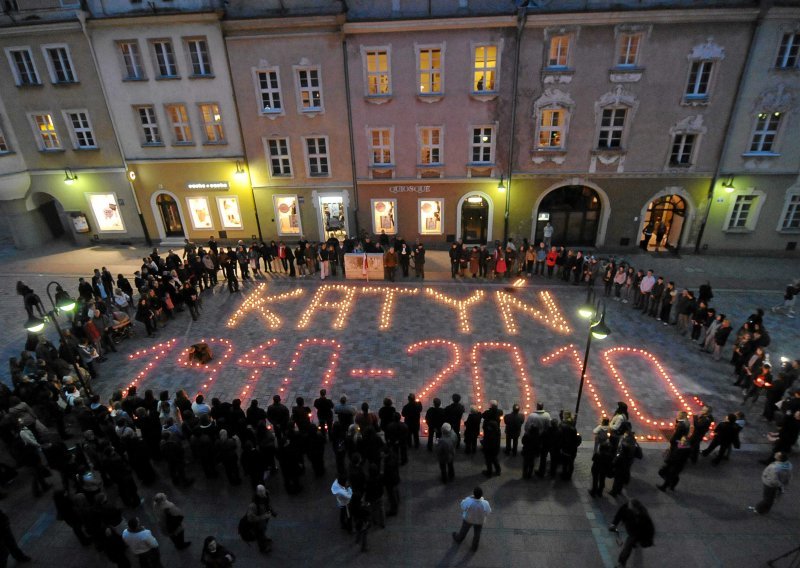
(574, 213)
(52, 213)
(667, 214)
(474, 218)
(168, 215)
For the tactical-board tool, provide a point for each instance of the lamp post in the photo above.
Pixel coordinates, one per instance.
(65, 304)
(597, 329)
(501, 187)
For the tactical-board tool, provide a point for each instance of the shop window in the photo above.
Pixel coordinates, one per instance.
(200, 213)
(430, 216)
(384, 216)
(229, 212)
(106, 212)
(287, 216)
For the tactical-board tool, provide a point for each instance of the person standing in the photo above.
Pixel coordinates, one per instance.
(726, 434)
(389, 264)
(170, 519)
(411, 413)
(548, 234)
(258, 513)
(324, 407)
(419, 261)
(343, 493)
(434, 418)
(638, 525)
(453, 413)
(491, 447)
(142, 544)
(674, 464)
(446, 452)
(404, 257)
(474, 509)
(513, 422)
(702, 424)
(775, 478)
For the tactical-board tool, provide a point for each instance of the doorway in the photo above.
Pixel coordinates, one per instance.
(474, 220)
(573, 212)
(333, 218)
(170, 216)
(667, 214)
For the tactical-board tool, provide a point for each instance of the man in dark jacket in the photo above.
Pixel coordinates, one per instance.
(434, 418)
(513, 422)
(638, 525)
(726, 434)
(701, 426)
(411, 415)
(453, 413)
(278, 415)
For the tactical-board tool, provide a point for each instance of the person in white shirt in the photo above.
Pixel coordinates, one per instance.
(142, 544)
(475, 510)
(645, 287)
(344, 494)
(199, 406)
(540, 419)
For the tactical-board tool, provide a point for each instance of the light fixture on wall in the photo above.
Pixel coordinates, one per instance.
(239, 168)
(501, 186)
(69, 177)
(131, 175)
(727, 185)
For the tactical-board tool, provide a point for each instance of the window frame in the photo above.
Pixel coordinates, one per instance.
(371, 131)
(422, 230)
(260, 91)
(138, 65)
(154, 43)
(567, 56)
(763, 133)
(190, 52)
(366, 51)
(751, 221)
(791, 204)
(421, 146)
(308, 156)
(563, 128)
(152, 127)
(73, 133)
(15, 70)
(287, 157)
(682, 149)
(694, 95)
(5, 147)
(496, 69)
(418, 49)
(491, 145)
(51, 67)
(276, 199)
(623, 130)
(297, 70)
(779, 55)
(215, 124)
(621, 44)
(185, 125)
(38, 135)
(375, 215)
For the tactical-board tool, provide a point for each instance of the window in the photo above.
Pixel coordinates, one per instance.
(81, 129)
(131, 60)
(628, 54)
(788, 51)
(429, 214)
(269, 91)
(383, 216)
(287, 216)
(45, 131)
(317, 156)
(212, 123)
(765, 131)
(485, 69)
(198, 54)
(21, 61)
(483, 145)
(280, 162)
(742, 208)
(165, 59)
(59, 64)
(310, 89)
(147, 118)
(430, 146)
(380, 146)
(378, 76)
(612, 126)
(429, 66)
(790, 220)
(551, 129)
(558, 54)
(682, 146)
(699, 78)
(4, 148)
(179, 122)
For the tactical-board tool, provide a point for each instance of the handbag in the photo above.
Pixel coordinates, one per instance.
(168, 302)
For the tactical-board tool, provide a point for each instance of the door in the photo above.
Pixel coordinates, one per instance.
(474, 220)
(170, 216)
(667, 214)
(52, 218)
(334, 218)
(574, 213)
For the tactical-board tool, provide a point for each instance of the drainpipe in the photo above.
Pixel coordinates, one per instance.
(81, 14)
(350, 130)
(522, 16)
(729, 121)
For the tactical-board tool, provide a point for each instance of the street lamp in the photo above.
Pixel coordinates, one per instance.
(597, 329)
(62, 303)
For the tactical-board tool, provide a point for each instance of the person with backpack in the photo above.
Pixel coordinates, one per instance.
(638, 525)
(627, 450)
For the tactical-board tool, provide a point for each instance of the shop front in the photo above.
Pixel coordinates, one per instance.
(295, 213)
(194, 201)
(433, 213)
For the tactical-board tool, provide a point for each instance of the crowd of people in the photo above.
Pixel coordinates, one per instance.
(124, 439)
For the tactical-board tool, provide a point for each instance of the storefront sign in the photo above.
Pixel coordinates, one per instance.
(208, 186)
(410, 188)
(363, 266)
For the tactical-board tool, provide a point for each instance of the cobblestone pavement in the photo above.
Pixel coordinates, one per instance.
(704, 523)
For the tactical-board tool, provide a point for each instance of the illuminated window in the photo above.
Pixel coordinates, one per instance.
(551, 128)
(45, 131)
(628, 53)
(378, 75)
(430, 216)
(380, 146)
(430, 145)
(179, 122)
(309, 89)
(429, 70)
(558, 53)
(212, 123)
(483, 145)
(485, 69)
